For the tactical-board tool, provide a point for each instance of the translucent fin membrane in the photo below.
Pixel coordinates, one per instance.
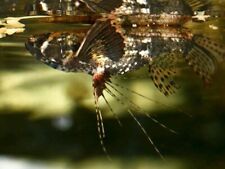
(197, 5)
(162, 71)
(201, 63)
(204, 56)
(103, 5)
(215, 48)
(103, 40)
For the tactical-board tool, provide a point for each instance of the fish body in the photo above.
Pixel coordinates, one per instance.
(130, 34)
(127, 35)
(139, 27)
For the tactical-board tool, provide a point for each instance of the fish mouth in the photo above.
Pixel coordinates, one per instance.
(30, 46)
(34, 43)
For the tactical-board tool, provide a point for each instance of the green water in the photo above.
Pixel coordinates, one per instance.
(47, 117)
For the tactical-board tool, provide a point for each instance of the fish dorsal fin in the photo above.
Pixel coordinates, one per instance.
(198, 5)
(102, 42)
(103, 6)
(163, 71)
(201, 62)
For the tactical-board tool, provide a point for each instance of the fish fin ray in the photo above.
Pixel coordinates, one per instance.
(163, 70)
(103, 6)
(198, 5)
(201, 63)
(102, 40)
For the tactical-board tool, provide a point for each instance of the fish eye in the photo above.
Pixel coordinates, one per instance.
(53, 65)
(56, 48)
(53, 60)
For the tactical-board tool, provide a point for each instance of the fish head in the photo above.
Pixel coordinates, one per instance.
(55, 49)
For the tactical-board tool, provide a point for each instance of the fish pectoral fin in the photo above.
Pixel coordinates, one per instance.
(201, 62)
(163, 70)
(204, 56)
(216, 49)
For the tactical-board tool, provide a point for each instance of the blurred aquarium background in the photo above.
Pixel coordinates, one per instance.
(48, 121)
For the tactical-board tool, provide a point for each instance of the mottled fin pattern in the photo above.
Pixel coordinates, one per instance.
(204, 56)
(198, 5)
(162, 71)
(201, 63)
(102, 41)
(103, 6)
(216, 49)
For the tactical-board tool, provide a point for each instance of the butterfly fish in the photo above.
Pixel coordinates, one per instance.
(127, 35)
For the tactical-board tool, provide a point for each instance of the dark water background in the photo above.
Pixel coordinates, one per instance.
(47, 117)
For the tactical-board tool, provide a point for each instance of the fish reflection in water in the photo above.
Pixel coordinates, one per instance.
(127, 35)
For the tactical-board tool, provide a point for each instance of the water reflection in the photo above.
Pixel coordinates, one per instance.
(60, 121)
